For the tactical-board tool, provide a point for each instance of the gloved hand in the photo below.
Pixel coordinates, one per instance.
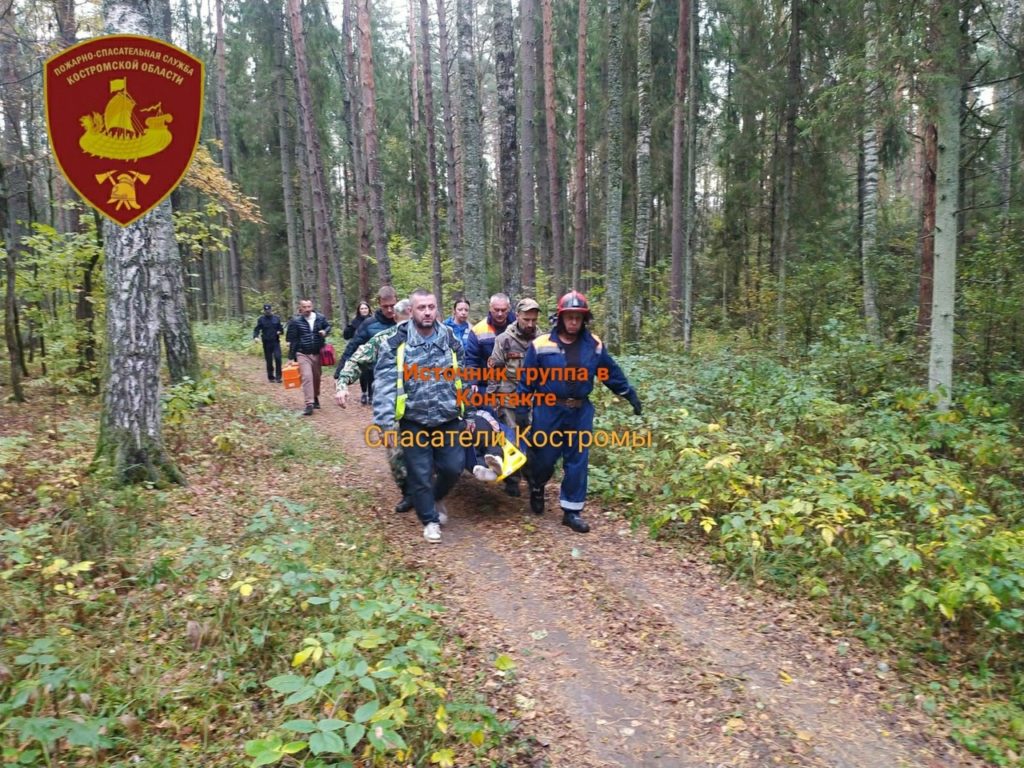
(634, 400)
(522, 418)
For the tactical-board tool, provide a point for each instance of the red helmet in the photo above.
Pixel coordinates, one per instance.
(574, 301)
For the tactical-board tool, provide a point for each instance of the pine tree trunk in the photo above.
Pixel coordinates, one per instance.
(353, 107)
(579, 253)
(285, 149)
(690, 215)
(1007, 96)
(234, 282)
(528, 134)
(643, 163)
(508, 148)
(554, 200)
(788, 164)
(369, 104)
(14, 182)
(169, 277)
(451, 170)
(309, 263)
(474, 273)
(432, 191)
(613, 210)
(869, 200)
(947, 100)
(678, 168)
(323, 234)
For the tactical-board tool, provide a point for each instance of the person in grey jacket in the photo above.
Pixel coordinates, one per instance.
(418, 401)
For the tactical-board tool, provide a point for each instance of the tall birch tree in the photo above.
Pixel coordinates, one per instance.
(131, 430)
(642, 234)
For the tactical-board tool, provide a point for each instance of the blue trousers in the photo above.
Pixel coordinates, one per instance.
(556, 435)
(432, 471)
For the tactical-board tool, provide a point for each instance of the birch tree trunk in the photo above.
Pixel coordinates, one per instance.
(613, 202)
(416, 143)
(947, 100)
(554, 200)
(580, 171)
(869, 192)
(678, 168)
(643, 162)
(234, 282)
(508, 148)
(472, 155)
(528, 133)
(285, 149)
(451, 169)
(369, 104)
(131, 434)
(169, 277)
(428, 116)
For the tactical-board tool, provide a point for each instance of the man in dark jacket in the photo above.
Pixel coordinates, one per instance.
(269, 329)
(306, 334)
(479, 341)
(381, 320)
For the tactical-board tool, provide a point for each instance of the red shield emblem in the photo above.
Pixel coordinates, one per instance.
(123, 113)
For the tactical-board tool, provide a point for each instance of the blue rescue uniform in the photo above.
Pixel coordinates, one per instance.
(568, 371)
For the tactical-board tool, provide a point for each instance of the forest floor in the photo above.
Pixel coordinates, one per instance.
(629, 652)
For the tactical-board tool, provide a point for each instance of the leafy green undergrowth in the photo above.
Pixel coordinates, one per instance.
(906, 523)
(248, 619)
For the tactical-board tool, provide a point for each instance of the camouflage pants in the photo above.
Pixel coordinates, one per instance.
(396, 463)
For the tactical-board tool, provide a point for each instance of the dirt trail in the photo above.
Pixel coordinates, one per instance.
(629, 653)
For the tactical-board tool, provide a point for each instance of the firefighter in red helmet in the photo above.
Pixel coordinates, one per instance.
(556, 430)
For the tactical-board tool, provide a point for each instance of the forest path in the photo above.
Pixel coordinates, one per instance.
(628, 652)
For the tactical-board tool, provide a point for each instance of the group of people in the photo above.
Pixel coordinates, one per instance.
(306, 335)
(500, 398)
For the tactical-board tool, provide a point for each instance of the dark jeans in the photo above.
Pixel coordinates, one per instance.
(432, 470)
(366, 382)
(272, 354)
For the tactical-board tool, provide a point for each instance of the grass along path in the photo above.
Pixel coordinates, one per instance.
(626, 652)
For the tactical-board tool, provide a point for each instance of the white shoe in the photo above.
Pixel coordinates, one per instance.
(432, 533)
(481, 472)
(442, 512)
(494, 463)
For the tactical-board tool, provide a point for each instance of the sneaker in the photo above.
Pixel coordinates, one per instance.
(308, 411)
(481, 472)
(432, 533)
(494, 463)
(442, 512)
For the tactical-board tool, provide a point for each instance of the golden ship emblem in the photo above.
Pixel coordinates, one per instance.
(119, 134)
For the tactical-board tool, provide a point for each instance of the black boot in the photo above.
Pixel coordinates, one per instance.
(512, 487)
(574, 521)
(404, 505)
(316, 403)
(537, 499)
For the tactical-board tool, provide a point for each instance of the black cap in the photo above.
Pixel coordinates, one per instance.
(266, 306)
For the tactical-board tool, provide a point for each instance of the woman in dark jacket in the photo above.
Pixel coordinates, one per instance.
(363, 311)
